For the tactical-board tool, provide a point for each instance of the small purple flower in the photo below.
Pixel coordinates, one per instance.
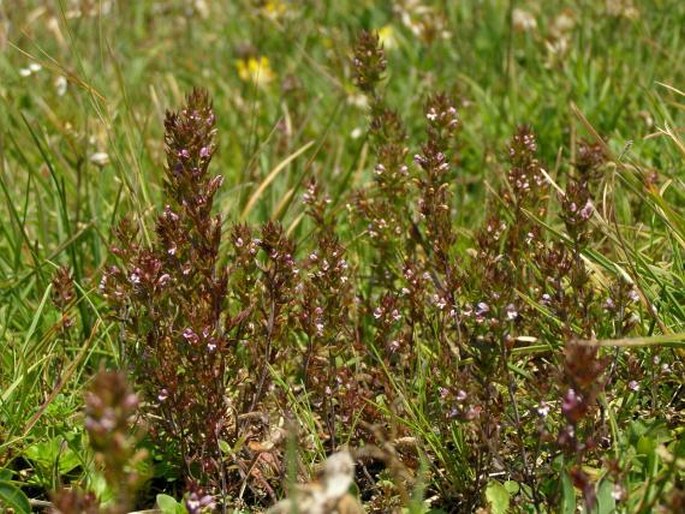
(190, 336)
(196, 503)
(482, 309)
(543, 409)
(586, 211)
(572, 406)
(511, 312)
(618, 492)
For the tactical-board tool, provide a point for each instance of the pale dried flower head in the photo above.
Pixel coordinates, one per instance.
(100, 159)
(562, 24)
(523, 21)
(339, 474)
(325, 497)
(622, 9)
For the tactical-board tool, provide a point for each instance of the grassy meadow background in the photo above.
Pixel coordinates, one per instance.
(84, 87)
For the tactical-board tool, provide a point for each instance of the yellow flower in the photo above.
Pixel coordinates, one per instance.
(256, 70)
(387, 36)
(274, 8)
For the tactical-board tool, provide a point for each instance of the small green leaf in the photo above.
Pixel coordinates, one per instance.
(645, 445)
(568, 495)
(12, 496)
(98, 485)
(56, 450)
(498, 497)
(605, 499)
(168, 505)
(512, 487)
(224, 447)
